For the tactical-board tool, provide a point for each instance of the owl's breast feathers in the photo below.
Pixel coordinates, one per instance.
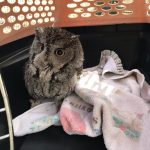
(50, 83)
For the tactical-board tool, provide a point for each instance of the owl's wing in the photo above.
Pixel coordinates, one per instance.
(79, 70)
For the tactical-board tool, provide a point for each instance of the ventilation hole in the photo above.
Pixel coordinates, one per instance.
(5, 9)
(21, 2)
(36, 15)
(29, 2)
(99, 13)
(50, 2)
(52, 8)
(72, 5)
(16, 26)
(52, 19)
(120, 7)
(86, 15)
(127, 12)
(16, 9)
(40, 8)
(43, 14)
(113, 13)
(2, 21)
(127, 1)
(21, 17)
(99, 3)
(44, 2)
(92, 9)
(148, 13)
(46, 19)
(73, 15)
(7, 29)
(25, 24)
(11, 1)
(106, 8)
(77, 1)
(40, 20)
(29, 16)
(113, 2)
(147, 1)
(33, 22)
(11, 19)
(49, 14)
(46, 8)
(79, 10)
(37, 2)
(33, 8)
(85, 4)
(25, 8)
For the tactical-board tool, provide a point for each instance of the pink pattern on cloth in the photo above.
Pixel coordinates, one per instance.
(73, 123)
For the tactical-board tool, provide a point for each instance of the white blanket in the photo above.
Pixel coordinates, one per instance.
(107, 99)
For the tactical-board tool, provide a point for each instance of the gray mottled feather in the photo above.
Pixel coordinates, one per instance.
(47, 74)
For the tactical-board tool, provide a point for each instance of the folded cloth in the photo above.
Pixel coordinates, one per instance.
(107, 99)
(36, 119)
(123, 118)
(119, 98)
(76, 117)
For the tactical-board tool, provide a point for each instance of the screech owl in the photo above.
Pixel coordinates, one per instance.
(55, 62)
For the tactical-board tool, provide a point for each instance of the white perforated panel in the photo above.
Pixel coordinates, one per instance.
(17, 15)
(89, 8)
(20, 17)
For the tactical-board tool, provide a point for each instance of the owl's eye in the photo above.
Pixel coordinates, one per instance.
(59, 52)
(42, 47)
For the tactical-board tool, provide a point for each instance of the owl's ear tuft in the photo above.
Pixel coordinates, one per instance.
(60, 29)
(38, 31)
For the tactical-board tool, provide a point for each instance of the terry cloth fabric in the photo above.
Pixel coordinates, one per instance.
(123, 117)
(36, 119)
(108, 100)
(123, 110)
(119, 105)
(76, 117)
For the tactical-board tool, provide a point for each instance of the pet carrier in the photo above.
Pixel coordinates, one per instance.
(104, 24)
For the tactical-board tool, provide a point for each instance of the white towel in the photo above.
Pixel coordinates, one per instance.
(108, 100)
(36, 119)
(119, 99)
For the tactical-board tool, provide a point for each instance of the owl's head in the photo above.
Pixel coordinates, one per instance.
(57, 47)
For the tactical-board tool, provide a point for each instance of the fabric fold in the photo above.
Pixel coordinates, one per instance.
(36, 119)
(107, 100)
